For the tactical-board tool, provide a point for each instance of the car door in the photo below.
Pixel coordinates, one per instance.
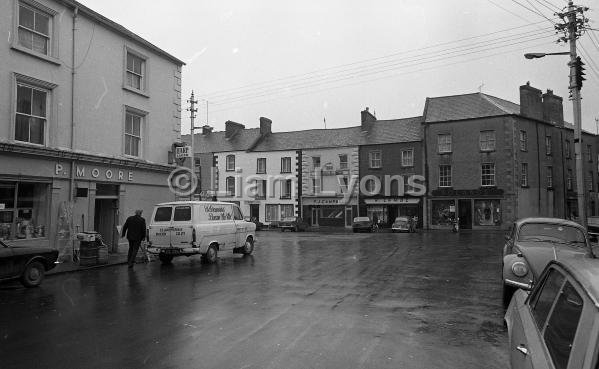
(160, 227)
(7, 261)
(241, 227)
(182, 226)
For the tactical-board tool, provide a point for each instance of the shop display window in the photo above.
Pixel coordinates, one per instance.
(487, 212)
(333, 212)
(23, 210)
(442, 212)
(378, 212)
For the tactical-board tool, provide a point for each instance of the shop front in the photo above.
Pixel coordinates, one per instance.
(386, 209)
(329, 211)
(45, 199)
(473, 212)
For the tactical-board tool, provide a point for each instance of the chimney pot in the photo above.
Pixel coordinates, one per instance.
(265, 126)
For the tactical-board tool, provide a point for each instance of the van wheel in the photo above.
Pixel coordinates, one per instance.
(211, 255)
(248, 248)
(33, 274)
(165, 259)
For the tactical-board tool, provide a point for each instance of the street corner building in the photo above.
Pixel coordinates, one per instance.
(90, 112)
(490, 161)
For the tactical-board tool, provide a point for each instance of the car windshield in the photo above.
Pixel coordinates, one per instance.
(361, 219)
(401, 220)
(544, 232)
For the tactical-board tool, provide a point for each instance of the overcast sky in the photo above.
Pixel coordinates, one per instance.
(299, 62)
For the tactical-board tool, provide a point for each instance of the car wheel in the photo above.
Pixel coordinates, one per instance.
(165, 259)
(248, 247)
(211, 255)
(508, 291)
(33, 274)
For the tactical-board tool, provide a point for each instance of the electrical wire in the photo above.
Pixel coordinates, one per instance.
(539, 12)
(255, 85)
(413, 61)
(535, 12)
(377, 78)
(590, 62)
(555, 8)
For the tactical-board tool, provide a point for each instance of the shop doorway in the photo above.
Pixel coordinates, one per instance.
(465, 213)
(255, 211)
(315, 214)
(105, 221)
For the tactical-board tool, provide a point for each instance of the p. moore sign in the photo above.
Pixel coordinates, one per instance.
(94, 173)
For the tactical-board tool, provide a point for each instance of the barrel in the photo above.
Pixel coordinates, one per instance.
(88, 253)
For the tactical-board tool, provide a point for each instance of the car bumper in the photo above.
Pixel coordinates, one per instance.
(173, 250)
(517, 284)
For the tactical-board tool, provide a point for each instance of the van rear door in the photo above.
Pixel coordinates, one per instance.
(160, 226)
(182, 226)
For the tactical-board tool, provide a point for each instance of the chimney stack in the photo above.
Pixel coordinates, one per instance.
(553, 109)
(265, 126)
(531, 102)
(231, 128)
(367, 119)
(206, 130)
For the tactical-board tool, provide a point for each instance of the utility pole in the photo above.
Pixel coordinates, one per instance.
(192, 111)
(573, 28)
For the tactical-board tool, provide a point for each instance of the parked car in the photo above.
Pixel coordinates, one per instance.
(534, 242)
(293, 224)
(185, 228)
(555, 326)
(362, 224)
(28, 263)
(403, 224)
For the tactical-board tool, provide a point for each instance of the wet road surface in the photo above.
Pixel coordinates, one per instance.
(302, 300)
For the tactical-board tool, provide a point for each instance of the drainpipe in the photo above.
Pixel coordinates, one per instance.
(538, 168)
(72, 179)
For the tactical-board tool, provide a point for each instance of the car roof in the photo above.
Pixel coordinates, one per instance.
(194, 203)
(585, 270)
(561, 221)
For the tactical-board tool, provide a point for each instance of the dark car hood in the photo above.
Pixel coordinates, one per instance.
(25, 250)
(539, 254)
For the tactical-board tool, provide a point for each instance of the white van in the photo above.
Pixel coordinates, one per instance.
(199, 227)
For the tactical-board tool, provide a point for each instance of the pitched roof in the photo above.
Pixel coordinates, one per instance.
(216, 141)
(381, 132)
(468, 106)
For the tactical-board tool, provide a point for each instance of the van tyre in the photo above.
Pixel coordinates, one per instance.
(33, 274)
(248, 247)
(165, 259)
(211, 255)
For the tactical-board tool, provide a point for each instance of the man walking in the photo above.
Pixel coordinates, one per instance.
(135, 228)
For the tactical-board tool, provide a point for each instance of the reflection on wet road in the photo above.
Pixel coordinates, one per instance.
(302, 300)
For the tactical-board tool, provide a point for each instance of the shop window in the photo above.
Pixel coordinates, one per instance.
(333, 212)
(287, 211)
(487, 140)
(23, 210)
(442, 212)
(377, 213)
(272, 213)
(487, 212)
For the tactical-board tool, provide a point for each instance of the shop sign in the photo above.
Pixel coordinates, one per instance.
(86, 172)
(327, 201)
(393, 200)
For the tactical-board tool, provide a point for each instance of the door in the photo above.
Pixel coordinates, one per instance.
(160, 226)
(182, 226)
(348, 217)
(105, 220)
(465, 213)
(241, 227)
(315, 214)
(255, 211)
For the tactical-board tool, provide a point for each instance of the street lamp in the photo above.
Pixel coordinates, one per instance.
(575, 86)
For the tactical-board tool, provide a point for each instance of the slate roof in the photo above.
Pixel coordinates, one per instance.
(381, 132)
(468, 106)
(216, 141)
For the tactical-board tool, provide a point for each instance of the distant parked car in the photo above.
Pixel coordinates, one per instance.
(362, 224)
(403, 224)
(534, 242)
(293, 224)
(555, 326)
(28, 263)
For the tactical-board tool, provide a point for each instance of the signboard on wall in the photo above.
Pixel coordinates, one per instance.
(393, 200)
(328, 201)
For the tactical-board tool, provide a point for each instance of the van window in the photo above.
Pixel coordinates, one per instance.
(163, 214)
(237, 213)
(182, 213)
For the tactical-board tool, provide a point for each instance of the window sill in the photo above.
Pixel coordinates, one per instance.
(444, 152)
(407, 166)
(285, 172)
(33, 144)
(260, 172)
(525, 186)
(229, 170)
(49, 59)
(376, 168)
(487, 150)
(132, 157)
(135, 91)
